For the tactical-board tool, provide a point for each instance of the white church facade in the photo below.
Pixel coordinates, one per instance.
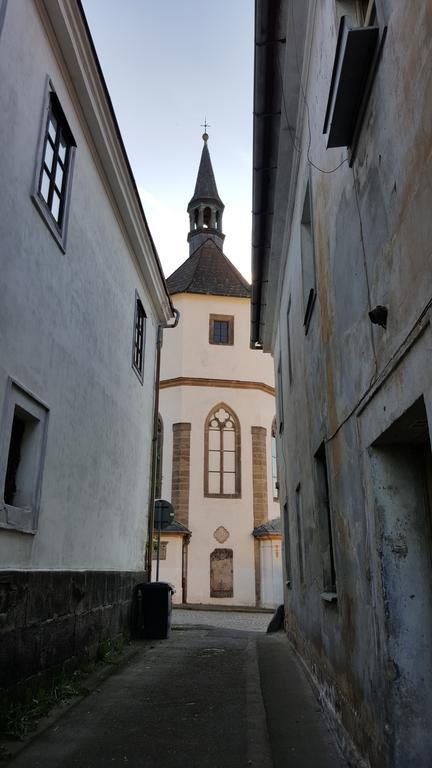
(217, 408)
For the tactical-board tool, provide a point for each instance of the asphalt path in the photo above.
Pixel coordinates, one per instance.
(204, 698)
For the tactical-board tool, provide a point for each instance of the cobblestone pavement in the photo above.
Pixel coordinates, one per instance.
(252, 622)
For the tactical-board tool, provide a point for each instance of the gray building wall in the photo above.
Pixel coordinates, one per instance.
(367, 646)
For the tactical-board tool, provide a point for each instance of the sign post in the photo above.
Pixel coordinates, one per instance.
(164, 515)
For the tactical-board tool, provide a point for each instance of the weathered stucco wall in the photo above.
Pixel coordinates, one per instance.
(352, 380)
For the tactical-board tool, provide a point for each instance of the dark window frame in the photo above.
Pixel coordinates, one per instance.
(57, 226)
(221, 449)
(139, 338)
(229, 319)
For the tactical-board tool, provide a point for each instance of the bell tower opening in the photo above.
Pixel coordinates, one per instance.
(207, 217)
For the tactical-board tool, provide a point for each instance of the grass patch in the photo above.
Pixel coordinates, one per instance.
(20, 718)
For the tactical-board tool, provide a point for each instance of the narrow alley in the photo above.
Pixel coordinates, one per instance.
(208, 696)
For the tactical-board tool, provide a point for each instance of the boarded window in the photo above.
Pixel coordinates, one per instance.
(221, 573)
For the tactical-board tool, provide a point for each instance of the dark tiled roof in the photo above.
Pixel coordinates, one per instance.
(175, 527)
(268, 528)
(205, 187)
(208, 271)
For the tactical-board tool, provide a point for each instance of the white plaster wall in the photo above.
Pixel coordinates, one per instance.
(192, 404)
(66, 325)
(187, 351)
(170, 570)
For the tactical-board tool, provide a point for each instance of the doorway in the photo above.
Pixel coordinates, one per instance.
(401, 464)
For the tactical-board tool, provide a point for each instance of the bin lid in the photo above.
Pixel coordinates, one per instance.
(159, 585)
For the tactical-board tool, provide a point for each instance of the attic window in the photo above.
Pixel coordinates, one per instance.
(355, 54)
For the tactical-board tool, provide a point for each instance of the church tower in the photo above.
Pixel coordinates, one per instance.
(216, 427)
(205, 209)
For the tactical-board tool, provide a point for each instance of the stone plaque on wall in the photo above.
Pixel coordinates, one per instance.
(221, 534)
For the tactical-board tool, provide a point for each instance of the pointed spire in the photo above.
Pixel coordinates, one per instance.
(205, 187)
(205, 209)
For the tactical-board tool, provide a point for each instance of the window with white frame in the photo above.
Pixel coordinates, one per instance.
(54, 167)
(22, 450)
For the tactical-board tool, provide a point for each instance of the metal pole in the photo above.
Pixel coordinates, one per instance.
(158, 546)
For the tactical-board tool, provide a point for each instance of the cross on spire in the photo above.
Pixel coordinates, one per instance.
(205, 125)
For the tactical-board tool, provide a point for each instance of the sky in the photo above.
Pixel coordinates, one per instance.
(169, 64)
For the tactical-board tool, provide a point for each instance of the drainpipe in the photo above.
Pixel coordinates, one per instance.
(149, 548)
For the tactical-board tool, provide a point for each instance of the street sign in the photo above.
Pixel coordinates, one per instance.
(163, 516)
(164, 513)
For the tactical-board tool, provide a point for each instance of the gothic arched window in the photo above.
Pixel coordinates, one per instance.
(275, 475)
(222, 453)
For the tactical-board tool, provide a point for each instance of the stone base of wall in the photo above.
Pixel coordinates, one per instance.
(51, 620)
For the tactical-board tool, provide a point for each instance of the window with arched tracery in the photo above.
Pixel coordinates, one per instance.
(222, 453)
(275, 475)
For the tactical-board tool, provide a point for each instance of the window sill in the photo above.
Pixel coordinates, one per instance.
(140, 376)
(18, 519)
(222, 495)
(59, 237)
(329, 597)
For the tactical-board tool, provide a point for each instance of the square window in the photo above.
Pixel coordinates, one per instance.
(54, 167)
(22, 448)
(139, 338)
(221, 329)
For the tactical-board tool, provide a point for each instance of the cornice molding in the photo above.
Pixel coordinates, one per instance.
(191, 381)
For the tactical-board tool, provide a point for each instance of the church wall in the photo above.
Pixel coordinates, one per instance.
(187, 347)
(253, 408)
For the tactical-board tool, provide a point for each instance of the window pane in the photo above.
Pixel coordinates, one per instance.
(62, 149)
(59, 178)
(214, 461)
(44, 188)
(228, 482)
(229, 439)
(214, 439)
(55, 206)
(214, 482)
(229, 461)
(49, 154)
(52, 127)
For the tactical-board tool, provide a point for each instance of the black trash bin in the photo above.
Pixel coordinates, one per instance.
(152, 608)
